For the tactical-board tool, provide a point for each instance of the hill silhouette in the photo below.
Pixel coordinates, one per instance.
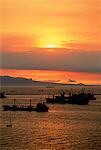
(18, 81)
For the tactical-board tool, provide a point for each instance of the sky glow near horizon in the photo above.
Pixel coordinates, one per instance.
(54, 76)
(51, 35)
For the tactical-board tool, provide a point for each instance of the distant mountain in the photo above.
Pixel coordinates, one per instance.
(17, 81)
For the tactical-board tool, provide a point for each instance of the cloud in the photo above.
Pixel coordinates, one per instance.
(82, 46)
(16, 43)
(72, 81)
(84, 61)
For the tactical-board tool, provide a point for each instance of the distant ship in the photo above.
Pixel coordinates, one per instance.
(80, 98)
(41, 107)
(2, 95)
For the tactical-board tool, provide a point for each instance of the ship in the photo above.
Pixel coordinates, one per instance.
(40, 107)
(77, 98)
(2, 95)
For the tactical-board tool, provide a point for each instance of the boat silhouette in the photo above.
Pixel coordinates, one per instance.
(2, 95)
(10, 124)
(40, 107)
(77, 98)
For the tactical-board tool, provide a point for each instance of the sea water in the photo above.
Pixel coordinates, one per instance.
(64, 127)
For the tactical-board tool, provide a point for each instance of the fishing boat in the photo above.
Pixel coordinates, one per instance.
(40, 107)
(2, 95)
(77, 98)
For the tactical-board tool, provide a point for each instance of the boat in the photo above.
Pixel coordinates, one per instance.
(10, 124)
(40, 107)
(2, 95)
(78, 98)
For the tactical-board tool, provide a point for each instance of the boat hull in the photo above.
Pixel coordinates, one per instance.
(29, 108)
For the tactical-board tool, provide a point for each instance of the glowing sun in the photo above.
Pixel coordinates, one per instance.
(51, 46)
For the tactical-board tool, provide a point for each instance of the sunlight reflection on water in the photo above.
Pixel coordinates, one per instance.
(66, 127)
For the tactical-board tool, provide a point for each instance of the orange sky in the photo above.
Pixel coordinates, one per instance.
(41, 23)
(54, 76)
(51, 35)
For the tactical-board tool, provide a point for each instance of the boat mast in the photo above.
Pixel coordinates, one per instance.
(30, 102)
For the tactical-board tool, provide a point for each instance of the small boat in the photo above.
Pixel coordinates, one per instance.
(2, 95)
(10, 124)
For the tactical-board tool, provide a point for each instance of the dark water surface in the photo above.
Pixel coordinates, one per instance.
(64, 127)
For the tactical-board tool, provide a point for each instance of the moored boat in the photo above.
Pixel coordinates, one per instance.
(78, 98)
(41, 107)
(2, 95)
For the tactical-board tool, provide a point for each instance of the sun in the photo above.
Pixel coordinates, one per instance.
(51, 46)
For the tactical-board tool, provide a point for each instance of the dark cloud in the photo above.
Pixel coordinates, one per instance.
(84, 61)
(71, 80)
